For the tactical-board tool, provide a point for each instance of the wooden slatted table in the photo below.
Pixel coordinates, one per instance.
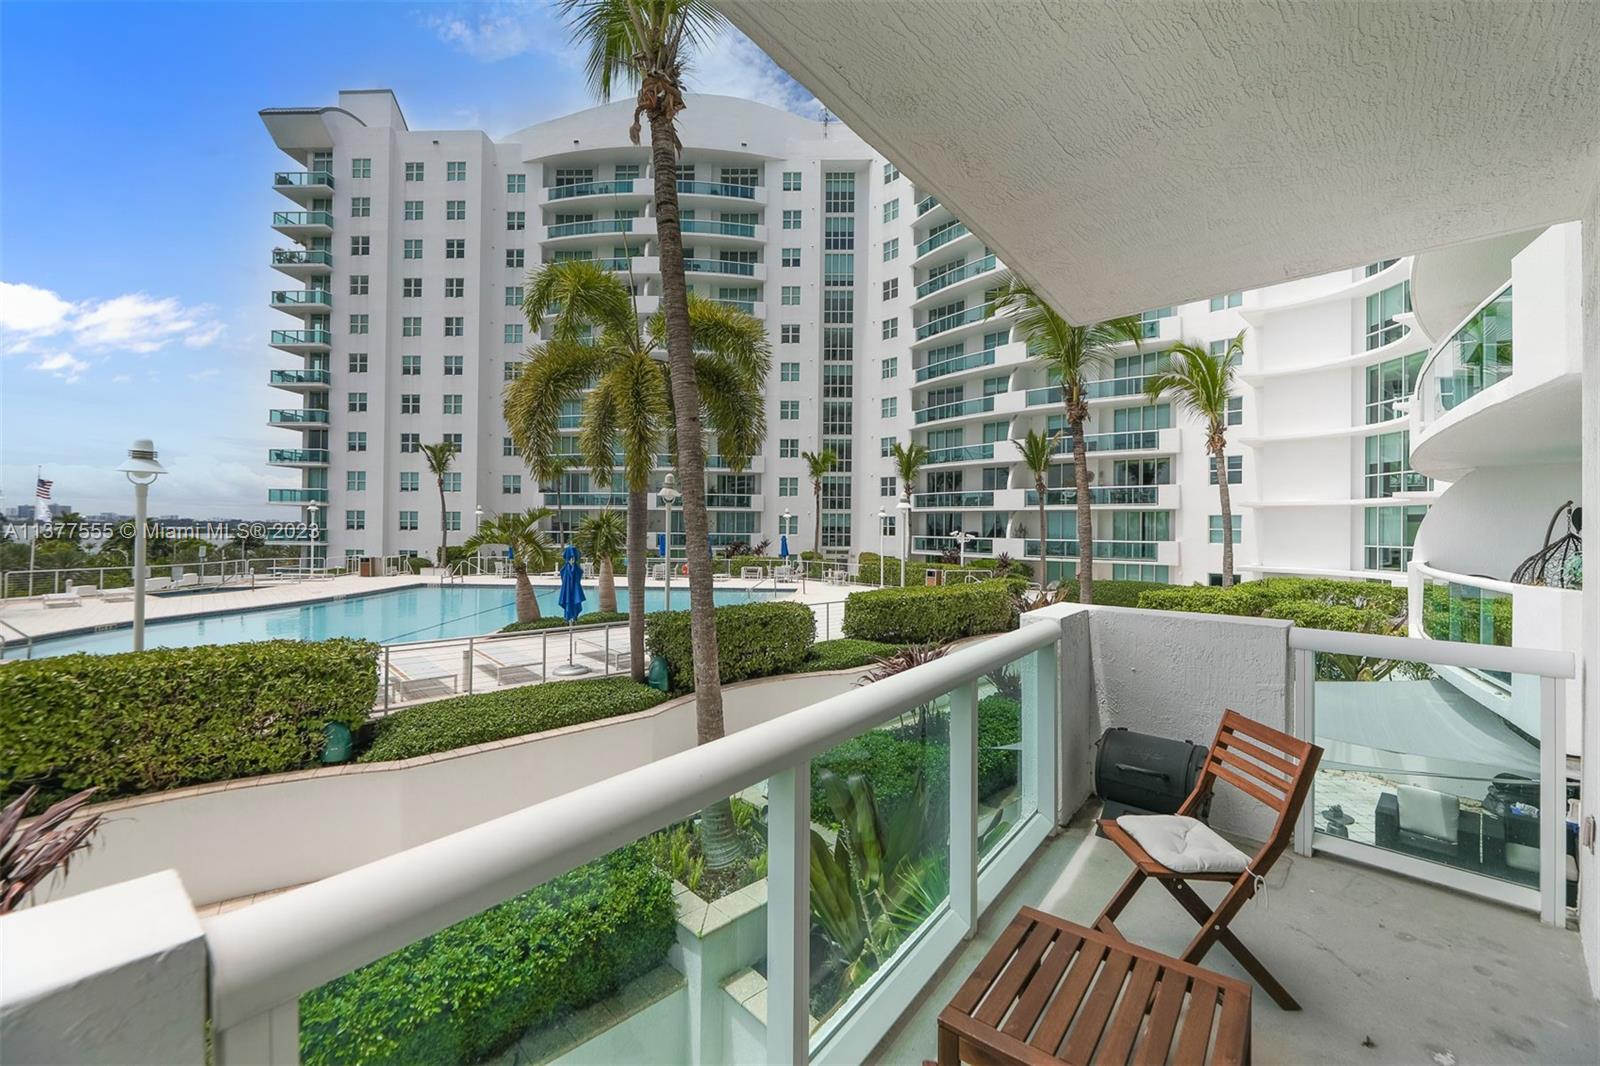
(1050, 991)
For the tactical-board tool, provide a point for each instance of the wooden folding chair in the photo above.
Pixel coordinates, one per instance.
(1265, 764)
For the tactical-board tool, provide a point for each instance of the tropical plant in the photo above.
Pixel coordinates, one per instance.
(531, 550)
(898, 662)
(818, 466)
(1202, 384)
(1068, 352)
(29, 855)
(603, 536)
(439, 457)
(1038, 453)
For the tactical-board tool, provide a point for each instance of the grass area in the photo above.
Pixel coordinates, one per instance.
(844, 653)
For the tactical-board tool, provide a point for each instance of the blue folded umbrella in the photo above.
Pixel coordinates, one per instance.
(661, 545)
(570, 599)
(783, 546)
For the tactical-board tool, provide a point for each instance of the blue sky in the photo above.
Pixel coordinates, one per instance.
(135, 198)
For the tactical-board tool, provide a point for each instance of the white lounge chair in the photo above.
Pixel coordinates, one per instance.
(61, 599)
(616, 658)
(119, 595)
(499, 657)
(157, 584)
(86, 592)
(751, 573)
(419, 673)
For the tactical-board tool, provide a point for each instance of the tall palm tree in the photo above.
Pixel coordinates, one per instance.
(439, 457)
(531, 550)
(558, 465)
(1068, 353)
(1202, 384)
(819, 465)
(1038, 453)
(604, 536)
(908, 462)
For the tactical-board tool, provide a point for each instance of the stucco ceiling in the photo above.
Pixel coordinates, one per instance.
(1133, 155)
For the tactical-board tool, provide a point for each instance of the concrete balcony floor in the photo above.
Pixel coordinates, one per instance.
(1387, 970)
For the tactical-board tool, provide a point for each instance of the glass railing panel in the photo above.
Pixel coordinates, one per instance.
(1009, 698)
(724, 229)
(590, 188)
(926, 204)
(961, 453)
(717, 188)
(301, 257)
(320, 297)
(297, 455)
(953, 499)
(718, 266)
(949, 322)
(301, 336)
(1050, 394)
(298, 414)
(303, 177)
(1131, 386)
(1128, 495)
(1476, 357)
(950, 277)
(599, 225)
(301, 377)
(956, 365)
(943, 237)
(978, 406)
(1468, 613)
(302, 218)
(297, 495)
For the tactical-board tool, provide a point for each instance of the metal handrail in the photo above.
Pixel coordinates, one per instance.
(27, 640)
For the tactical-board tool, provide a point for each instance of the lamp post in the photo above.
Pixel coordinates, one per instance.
(882, 521)
(311, 514)
(961, 546)
(142, 469)
(669, 493)
(477, 527)
(904, 507)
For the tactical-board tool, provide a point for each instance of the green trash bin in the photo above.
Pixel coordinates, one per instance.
(656, 677)
(336, 743)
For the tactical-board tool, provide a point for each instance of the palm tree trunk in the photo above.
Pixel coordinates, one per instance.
(1227, 519)
(444, 524)
(1044, 544)
(638, 516)
(527, 602)
(608, 585)
(718, 839)
(816, 536)
(1080, 481)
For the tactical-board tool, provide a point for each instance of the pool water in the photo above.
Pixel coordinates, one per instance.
(427, 612)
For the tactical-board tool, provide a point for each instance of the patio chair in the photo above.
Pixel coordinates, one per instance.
(1268, 766)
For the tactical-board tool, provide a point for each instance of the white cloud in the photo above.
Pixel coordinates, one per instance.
(491, 32)
(140, 323)
(62, 364)
(201, 375)
(29, 309)
(38, 322)
(731, 65)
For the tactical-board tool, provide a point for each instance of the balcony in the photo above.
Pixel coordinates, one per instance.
(1051, 395)
(297, 496)
(1116, 388)
(721, 266)
(302, 263)
(303, 224)
(592, 228)
(962, 500)
(297, 416)
(297, 457)
(304, 185)
(964, 453)
(712, 228)
(301, 341)
(1162, 496)
(300, 380)
(961, 409)
(946, 367)
(1142, 440)
(586, 499)
(730, 501)
(968, 317)
(301, 301)
(980, 267)
(630, 188)
(1150, 551)
(750, 307)
(948, 235)
(976, 547)
(718, 190)
(926, 204)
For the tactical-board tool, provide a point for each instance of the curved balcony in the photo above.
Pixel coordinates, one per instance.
(1138, 440)
(940, 545)
(961, 453)
(1163, 496)
(297, 495)
(585, 499)
(963, 500)
(300, 380)
(1476, 357)
(926, 204)
(971, 316)
(946, 367)
(303, 185)
(959, 409)
(301, 341)
(712, 228)
(297, 416)
(297, 457)
(720, 190)
(301, 301)
(302, 224)
(632, 188)
(594, 227)
(948, 235)
(966, 272)
(302, 262)
(1116, 388)
(721, 266)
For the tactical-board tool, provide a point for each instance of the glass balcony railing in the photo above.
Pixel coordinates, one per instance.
(926, 204)
(956, 365)
(303, 297)
(943, 237)
(953, 499)
(961, 273)
(728, 499)
(301, 257)
(595, 225)
(720, 229)
(297, 495)
(975, 546)
(955, 321)
(1150, 328)
(1475, 358)
(295, 415)
(1128, 386)
(301, 337)
(302, 178)
(293, 456)
(1132, 441)
(1468, 613)
(623, 264)
(1050, 394)
(1134, 495)
(713, 462)
(1103, 549)
(981, 405)
(717, 188)
(300, 377)
(590, 188)
(586, 499)
(962, 453)
(302, 218)
(718, 266)
(569, 421)
(747, 306)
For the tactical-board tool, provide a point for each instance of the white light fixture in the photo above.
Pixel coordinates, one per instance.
(882, 516)
(141, 469)
(669, 495)
(904, 507)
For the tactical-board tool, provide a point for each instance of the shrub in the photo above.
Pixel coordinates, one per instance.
(844, 653)
(1254, 599)
(1313, 615)
(919, 614)
(466, 720)
(593, 618)
(1109, 593)
(147, 721)
(753, 640)
(469, 992)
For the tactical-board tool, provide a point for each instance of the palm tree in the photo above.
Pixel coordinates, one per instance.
(1038, 452)
(819, 465)
(1202, 384)
(439, 457)
(1068, 353)
(604, 536)
(908, 462)
(531, 550)
(557, 467)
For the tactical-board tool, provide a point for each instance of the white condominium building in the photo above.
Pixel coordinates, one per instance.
(409, 251)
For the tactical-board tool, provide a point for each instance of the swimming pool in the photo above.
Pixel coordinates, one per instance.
(426, 612)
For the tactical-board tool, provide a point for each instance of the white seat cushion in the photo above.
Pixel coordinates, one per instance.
(1432, 814)
(1183, 844)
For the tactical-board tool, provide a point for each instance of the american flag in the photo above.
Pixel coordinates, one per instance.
(42, 490)
(41, 501)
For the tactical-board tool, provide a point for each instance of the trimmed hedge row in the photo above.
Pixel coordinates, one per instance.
(153, 720)
(470, 991)
(1110, 593)
(462, 721)
(593, 618)
(1255, 598)
(753, 640)
(919, 614)
(844, 653)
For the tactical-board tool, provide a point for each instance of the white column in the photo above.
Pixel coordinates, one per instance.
(964, 806)
(789, 915)
(141, 506)
(1589, 868)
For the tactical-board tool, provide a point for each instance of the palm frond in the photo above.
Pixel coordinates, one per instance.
(603, 534)
(1197, 381)
(582, 296)
(1038, 451)
(735, 409)
(557, 372)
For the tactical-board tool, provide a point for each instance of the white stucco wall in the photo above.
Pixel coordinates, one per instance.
(1495, 517)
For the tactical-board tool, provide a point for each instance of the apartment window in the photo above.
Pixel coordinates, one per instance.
(1215, 528)
(455, 287)
(411, 288)
(791, 220)
(838, 305)
(1390, 534)
(513, 295)
(358, 284)
(791, 296)
(452, 439)
(355, 520)
(454, 366)
(1382, 307)
(891, 328)
(1388, 469)
(789, 410)
(1235, 469)
(790, 525)
(888, 486)
(410, 481)
(1235, 410)
(360, 245)
(789, 333)
(891, 249)
(355, 481)
(1390, 381)
(839, 192)
(788, 447)
(455, 171)
(791, 257)
(358, 323)
(411, 403)
(838, 344)
(788, 371)
(360, 207)
(891, 288)
(414, 172)
(891, 210)
(356, 401)
(358, 362)
(516, 183)
(455, 326)
(889, 367)
(516, 220)
(890, 406)
(508, 447)
(839, 233)
(890, 172)
(455, 210)
(1222, 303)
(410, 443)
(455, 248)
(516, 258)
(355, 441)
(451, 481)
(411, 366)
(408, 519)
(511, 372)
(511, 484)
(411, 326)
(885, 446)
(452, 403)
(791, 181)
(788, 486)
(413, 248)
(513, 333)
(413, 211)
(361, 168)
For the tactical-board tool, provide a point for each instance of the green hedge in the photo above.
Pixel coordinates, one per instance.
(919, 614)
(148, 721)
(1109, 593)
(593, 618)
(753, 640)
(1254, 599)
(844, 653)
(516, 712)
(470, 991)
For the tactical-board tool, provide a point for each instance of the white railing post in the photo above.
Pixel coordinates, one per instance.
(1303, 724)
(1552, 802)
(789, 915)
(1041, 725)
(270, 1039)
(964, 806)
(466, 666)
(386, 680)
